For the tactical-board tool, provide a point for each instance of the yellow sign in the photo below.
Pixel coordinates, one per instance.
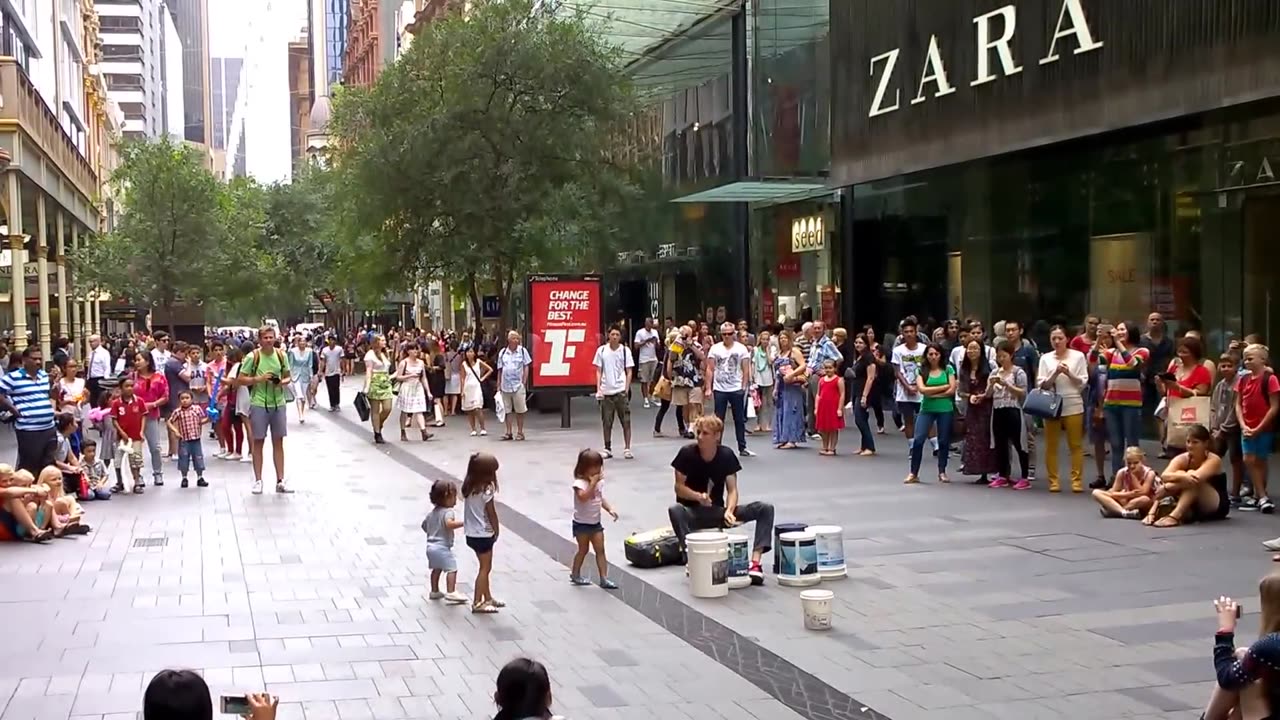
(808, 234)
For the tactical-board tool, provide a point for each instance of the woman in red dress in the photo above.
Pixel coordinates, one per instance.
(828, 410)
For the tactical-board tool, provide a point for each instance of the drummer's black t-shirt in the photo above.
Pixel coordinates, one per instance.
(700, 474)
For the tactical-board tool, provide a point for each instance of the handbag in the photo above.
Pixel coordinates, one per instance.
(1042, 403)
(662, 388)
(362, 406)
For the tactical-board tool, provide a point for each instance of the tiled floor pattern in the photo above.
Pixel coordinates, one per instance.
(319, 597)
(962, 602)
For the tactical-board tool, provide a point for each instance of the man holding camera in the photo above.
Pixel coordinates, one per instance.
(266, 372)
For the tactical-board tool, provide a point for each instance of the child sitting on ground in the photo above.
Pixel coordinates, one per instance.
(1133, 491)
(20, 515)
(96, 470)
(66, 512)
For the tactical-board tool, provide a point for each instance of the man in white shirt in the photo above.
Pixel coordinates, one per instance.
(646, 345)
(728, 367)
(614, 367)
(99, 368)
(907, 359)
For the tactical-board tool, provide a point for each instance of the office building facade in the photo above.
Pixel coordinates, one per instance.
(133, 62)
(191, 18)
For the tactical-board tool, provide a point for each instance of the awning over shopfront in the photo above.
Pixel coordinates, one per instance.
(760, 193)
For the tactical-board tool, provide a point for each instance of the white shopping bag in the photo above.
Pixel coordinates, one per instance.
(498, 408)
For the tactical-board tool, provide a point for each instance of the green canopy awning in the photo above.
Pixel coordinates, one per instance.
(760, 192)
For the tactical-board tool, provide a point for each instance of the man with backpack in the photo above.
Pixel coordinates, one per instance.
(266, 373)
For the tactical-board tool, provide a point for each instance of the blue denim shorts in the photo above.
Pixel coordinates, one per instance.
(580, 529)
(1259, 445)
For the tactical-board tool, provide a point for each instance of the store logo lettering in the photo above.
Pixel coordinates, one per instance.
(1072, 22)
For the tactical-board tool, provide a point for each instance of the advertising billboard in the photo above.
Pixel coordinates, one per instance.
(565, 322)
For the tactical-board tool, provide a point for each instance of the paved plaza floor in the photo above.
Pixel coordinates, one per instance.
(962, 602)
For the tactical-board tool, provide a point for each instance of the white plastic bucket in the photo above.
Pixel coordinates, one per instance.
(829, 540)
(817, 609)
(708, 564)
(739, 561)
(799, 559)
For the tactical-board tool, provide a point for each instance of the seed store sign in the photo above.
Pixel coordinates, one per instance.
(993, 50)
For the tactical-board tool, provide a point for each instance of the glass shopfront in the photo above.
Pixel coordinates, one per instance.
(795, 264)
(1179, 218)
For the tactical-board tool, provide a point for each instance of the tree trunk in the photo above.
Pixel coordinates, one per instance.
(477, 310)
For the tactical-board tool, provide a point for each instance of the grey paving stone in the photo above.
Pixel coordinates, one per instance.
(602, 696)
(1160, 701)
(616, 658)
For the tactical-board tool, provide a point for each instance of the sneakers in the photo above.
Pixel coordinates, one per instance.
(606, 453)
(1099, 484)
(484, 432)
(578, 580)
(999, 481)
(1248, 504)
(1265, 506)
(233, 457)
(158, 481)
(1131, 514)
(745, 453)
(456, 598)
(756, 573)
(184, 483)
(200, 482)
(608, 584)
(435, 595)
(1272, 545)
(257, 487)
(646, 403)
(1022, 484)
(627, 454)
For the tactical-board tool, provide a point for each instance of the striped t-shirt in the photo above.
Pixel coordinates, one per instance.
(1124, 376)
(31, 396)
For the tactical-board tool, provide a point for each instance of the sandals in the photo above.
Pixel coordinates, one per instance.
(425, 436)
(484, 608)
(942, 478)
(506, 436)
(40, 536)
(520, 436)
(70, 530)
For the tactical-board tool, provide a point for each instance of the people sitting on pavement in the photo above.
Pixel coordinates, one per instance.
(184, 695)
(21, 516)
(1248, 683)
(1131, 494)
(1193, 487)
(523, 692)
(706, 487)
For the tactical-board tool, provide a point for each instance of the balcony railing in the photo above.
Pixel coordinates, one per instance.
(20, 102)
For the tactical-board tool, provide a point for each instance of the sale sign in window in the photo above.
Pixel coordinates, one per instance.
(565, 329)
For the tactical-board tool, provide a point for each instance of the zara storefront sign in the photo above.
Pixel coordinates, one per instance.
(994, 38)
(808, 234)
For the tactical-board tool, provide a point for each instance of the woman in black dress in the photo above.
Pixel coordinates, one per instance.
(436, 370)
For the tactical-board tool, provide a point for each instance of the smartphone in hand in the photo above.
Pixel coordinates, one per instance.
(234, 705)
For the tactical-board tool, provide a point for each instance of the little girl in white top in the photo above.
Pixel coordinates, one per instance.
(588, 502)
(480, 523)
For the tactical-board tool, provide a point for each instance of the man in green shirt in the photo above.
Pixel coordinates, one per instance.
(266, 373)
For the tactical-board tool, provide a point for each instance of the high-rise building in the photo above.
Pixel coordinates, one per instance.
(327, 26)
(224, 80)
(133, 62)
(173, 94)
(300, 95)
(191, 17)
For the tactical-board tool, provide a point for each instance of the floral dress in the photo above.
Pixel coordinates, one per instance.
(788, 412)
(979, 455)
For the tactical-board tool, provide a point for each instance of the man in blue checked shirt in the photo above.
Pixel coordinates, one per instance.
(821, 350)
(28, 394)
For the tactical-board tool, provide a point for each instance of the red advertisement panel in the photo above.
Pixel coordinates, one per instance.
(565, 315)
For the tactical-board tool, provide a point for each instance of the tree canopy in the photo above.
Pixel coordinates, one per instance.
(482, 153)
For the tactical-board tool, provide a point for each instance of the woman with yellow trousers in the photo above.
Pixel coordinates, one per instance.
(1065, 372)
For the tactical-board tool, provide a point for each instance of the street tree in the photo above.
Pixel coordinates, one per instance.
(482, 153)
(168, 245)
